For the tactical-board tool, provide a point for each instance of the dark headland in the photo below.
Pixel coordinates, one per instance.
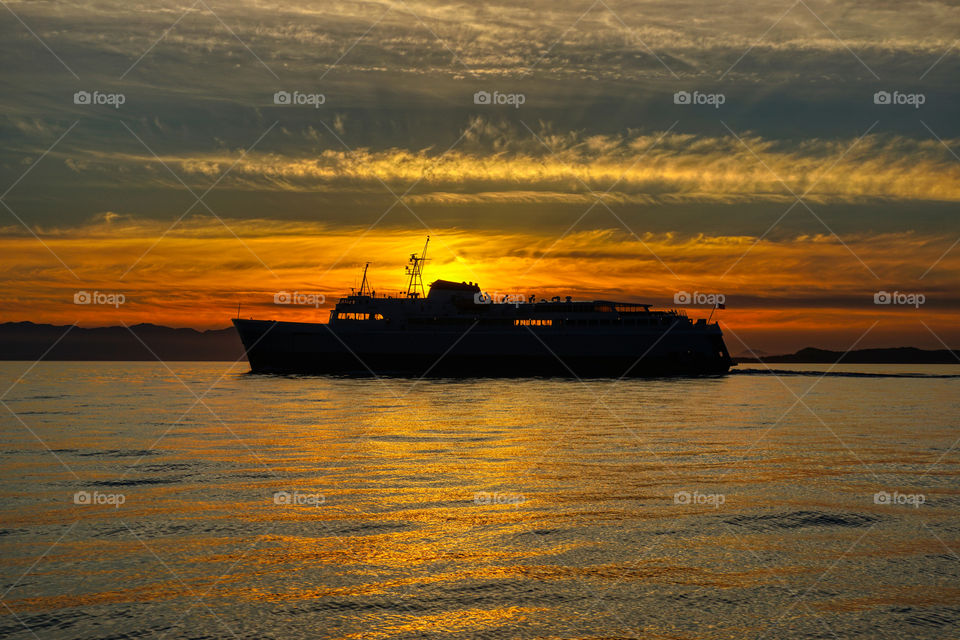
(30, 341)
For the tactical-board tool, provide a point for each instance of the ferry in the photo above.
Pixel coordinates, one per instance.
(455, 329)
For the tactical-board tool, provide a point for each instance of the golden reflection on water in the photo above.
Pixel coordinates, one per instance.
(477, 507)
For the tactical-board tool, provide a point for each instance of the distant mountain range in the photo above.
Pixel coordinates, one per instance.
(894, 355)
(29, 341)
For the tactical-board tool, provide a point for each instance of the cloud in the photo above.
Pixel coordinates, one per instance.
(510, 166)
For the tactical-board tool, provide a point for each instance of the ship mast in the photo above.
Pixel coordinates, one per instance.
(415, 271)
(365, 284)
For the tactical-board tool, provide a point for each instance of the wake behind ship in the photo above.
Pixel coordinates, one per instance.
(457, 330)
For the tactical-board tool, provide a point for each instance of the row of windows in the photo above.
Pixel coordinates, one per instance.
(621, 322)
(524, 322)
(345, 315)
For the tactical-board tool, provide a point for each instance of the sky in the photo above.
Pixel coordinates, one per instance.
(184, 158)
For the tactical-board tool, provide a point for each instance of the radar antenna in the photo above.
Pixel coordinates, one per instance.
(415, 271)
(365, 284)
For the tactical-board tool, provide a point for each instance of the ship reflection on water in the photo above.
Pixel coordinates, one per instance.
(366, 508)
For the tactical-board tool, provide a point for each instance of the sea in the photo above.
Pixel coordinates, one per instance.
(198, 500)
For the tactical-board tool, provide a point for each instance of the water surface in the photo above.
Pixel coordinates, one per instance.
(217, 504)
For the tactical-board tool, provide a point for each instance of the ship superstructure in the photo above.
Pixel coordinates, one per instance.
(458, 330)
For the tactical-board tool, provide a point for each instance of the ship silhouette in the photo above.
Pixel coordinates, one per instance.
(458, 330)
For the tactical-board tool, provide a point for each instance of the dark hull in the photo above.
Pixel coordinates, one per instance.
(309, 348)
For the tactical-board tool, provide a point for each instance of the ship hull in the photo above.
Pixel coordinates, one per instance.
(475, 351)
